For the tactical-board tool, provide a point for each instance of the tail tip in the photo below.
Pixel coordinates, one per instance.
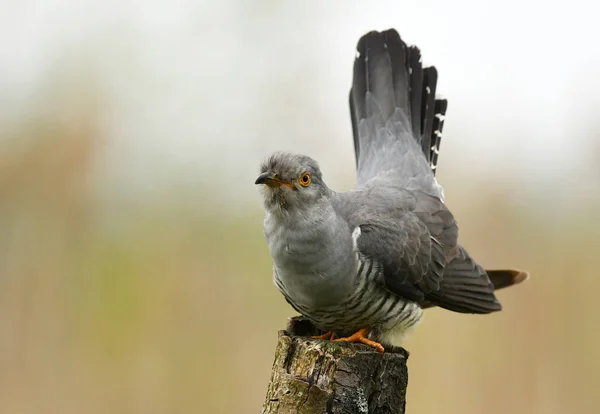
(521, 276)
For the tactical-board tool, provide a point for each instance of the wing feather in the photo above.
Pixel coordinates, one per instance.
(416, 243)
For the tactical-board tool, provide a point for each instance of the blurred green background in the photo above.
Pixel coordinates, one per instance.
(134, 277)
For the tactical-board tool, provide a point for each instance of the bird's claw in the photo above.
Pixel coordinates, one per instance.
(329, 335)
(361, 337)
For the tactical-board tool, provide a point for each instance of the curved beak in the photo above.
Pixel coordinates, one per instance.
(271, 180)
(265, 178)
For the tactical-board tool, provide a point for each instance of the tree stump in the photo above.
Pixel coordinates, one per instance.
(313, 376)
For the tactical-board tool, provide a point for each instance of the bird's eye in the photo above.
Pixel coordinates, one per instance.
(304, 179)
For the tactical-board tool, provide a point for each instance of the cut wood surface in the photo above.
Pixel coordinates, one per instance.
(320, 376)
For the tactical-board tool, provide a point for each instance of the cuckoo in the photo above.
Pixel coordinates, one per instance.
(362, 265)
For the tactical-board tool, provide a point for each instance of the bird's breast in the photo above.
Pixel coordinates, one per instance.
(312, 260)
(366, 304)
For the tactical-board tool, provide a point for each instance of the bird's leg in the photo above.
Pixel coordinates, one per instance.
(327, 335)
(361, 336)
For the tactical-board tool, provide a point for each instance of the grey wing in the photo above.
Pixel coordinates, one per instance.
(417, 246)
(465, 286)
(413, 262)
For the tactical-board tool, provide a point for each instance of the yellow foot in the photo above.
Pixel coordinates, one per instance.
(361, 336)
(327, 335)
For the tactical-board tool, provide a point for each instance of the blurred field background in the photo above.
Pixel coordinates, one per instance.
(134, 277)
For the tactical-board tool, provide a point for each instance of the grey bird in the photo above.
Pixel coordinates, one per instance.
(363, 264)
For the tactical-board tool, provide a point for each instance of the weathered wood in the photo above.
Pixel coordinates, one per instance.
(318, 376)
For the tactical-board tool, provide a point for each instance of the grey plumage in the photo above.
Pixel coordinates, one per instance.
(375, 256)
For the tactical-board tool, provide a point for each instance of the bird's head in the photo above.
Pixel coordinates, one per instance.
(291, 181)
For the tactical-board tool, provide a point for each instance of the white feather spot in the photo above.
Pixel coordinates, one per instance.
(428, 90)
(440, 189)
(440, 117)
(355, 235)
(357, 54)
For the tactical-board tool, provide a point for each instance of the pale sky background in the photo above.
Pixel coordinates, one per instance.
(202, 90)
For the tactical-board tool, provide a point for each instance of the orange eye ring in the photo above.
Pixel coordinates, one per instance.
(304, 179)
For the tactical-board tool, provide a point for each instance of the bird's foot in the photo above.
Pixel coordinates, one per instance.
(330, 335)
(361, 336)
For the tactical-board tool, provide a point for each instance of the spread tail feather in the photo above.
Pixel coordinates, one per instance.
(439, 115)
(390, 81)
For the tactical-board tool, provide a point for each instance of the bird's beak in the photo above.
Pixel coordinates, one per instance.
(264, 178)
(271, 180)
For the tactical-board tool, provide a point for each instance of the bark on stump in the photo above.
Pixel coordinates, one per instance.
(318, 376)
